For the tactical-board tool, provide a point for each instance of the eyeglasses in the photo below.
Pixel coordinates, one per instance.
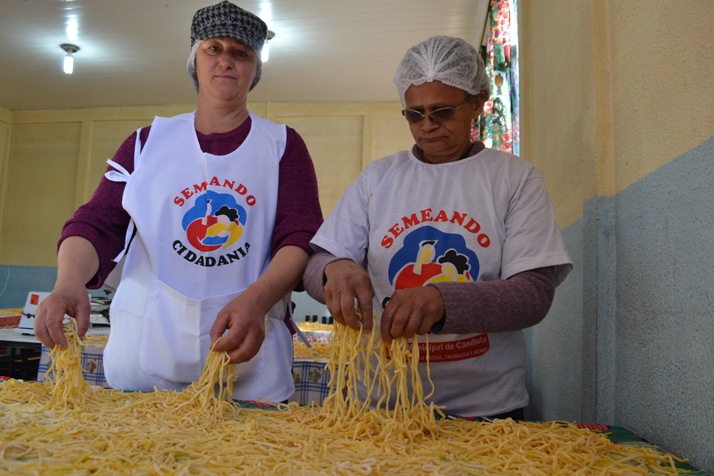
(438, 116)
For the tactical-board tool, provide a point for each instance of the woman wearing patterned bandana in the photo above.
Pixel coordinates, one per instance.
(449, 239)
(212, 212)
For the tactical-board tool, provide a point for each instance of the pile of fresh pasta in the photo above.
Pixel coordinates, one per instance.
(318, 351)
(65, 426)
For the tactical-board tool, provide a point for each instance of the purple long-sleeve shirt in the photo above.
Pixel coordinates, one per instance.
(103, 221)
(521, 301)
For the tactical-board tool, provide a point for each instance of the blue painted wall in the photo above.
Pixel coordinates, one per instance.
(629, 340)
(17, 281)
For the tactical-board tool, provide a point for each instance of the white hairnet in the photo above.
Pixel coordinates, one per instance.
(191, 64)
(449, 60)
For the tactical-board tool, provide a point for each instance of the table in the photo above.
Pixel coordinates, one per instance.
(19, 354)
(310, 376)
(625, 437)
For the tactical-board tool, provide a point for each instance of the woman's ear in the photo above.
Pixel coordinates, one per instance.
(478, 103)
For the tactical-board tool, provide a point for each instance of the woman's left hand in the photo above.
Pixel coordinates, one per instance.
(411, 311)
(245, 323)
(244, 317)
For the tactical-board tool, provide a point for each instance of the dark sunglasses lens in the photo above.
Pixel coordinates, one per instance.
(412, 116)
(444, 114)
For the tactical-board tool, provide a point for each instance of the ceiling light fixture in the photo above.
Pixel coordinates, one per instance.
(266, 12)
(265, 52)
(68, 65)
(72, 28)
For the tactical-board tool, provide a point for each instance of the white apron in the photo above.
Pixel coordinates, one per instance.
(201, 227)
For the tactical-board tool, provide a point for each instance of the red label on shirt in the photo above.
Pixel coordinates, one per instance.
(455, 349)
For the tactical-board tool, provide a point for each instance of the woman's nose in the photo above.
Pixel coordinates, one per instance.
(427, 124)
(225, 60)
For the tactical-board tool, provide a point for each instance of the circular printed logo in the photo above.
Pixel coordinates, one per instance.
(215, 221)
(429, 256)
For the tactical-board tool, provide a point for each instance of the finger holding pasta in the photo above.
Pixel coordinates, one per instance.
(410, 312)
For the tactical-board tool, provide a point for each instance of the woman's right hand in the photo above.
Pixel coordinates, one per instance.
(347, 281)
(77, 262)
(71, 300)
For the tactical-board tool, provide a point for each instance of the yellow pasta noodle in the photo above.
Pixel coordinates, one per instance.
(100, 340)
(316, 351)
(65, 370)
(315, 326)
(201, 431)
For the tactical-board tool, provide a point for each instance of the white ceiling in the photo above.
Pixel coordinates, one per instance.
(133, 52)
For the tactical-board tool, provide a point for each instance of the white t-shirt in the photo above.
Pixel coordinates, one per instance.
(486, 217)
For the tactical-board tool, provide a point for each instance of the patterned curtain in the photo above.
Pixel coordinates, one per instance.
(498, 126)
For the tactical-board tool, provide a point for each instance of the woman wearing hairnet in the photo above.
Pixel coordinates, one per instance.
(214, 211)
(449, 239)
